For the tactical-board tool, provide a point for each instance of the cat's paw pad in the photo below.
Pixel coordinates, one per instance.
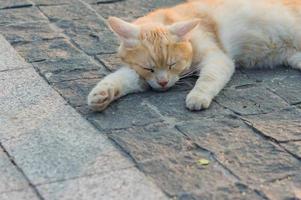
(101, 96)
(196, 100)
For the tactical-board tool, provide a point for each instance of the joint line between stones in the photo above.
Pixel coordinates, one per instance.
(31, 185)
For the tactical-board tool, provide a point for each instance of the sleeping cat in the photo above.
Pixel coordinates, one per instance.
(205, 36)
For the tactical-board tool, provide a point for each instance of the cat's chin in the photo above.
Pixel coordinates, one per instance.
(161, 89)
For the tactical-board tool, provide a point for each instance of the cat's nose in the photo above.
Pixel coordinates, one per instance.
(163, 83)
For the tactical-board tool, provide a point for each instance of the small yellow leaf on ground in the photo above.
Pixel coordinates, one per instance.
(203, 161)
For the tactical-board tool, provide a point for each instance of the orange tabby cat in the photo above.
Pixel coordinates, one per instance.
(209, 36)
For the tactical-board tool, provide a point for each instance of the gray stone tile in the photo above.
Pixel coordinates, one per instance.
(13, 16)
(282, 126)
(10, 179)
(53, 2)
(123, 184)
(46, 138)
(251, 157)
(111, 61)
(75, 11)
(89, 32)
(183, 177)
(26, 194)
(131, 9)
(251, 100)
(65, 150)
(124, 113)
(285, 188)
(171, 105)
(59, 61)
(151, 142)
(240, 79)
(6, 4)
(29, 32)
(294, 147)
(7, 52)
(289, 88)
(269, 75)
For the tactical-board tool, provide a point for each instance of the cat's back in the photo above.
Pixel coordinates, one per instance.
(252, 31)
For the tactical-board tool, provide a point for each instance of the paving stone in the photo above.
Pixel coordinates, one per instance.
(286, 188)
(13, 16)
(61, 153)
(269, 75)
(76, 92)
(91, 35)
(294, 147)
(111, 61)
(52, 2)
(240, 79)
(182, 177)
(10, 179)
(152, 142)
(236, 191)
(282, 126)
(46, 138)
(6, 4)
(59, 61)
(28, 32)
(288, 88)
(85, 28)
(75, 11)
(124, 113)
(125, 184)
(7, 52)
(27, 194)
(249, 156)
(250, 100)
(131, 9)
(172, 106)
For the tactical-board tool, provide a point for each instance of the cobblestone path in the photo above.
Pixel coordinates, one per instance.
(251, 135)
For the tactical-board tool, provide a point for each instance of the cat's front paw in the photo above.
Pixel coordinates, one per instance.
(101, 96)
(197, 100)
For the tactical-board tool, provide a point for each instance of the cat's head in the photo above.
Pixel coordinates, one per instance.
(159, 54)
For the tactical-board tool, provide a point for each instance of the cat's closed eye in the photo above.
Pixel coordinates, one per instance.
(149, 69)
(171, 65)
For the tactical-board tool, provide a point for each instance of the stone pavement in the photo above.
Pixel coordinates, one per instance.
(251, 135)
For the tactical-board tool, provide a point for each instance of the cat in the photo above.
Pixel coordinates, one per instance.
(206, 36)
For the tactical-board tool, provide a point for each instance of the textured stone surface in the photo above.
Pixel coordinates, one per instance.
(294, 147)
(172, 106)
(152, 142)
(124, 184)
(70, 45)
(28, 32)
(242, 151)
(124, 113)
(7, 52)
(47, 141)
(47, 144)
(10, 179)
(7, 4)
(26, 194)
(251, 100)
(131, 9)
(282, 126)
(13, 16)
(286, 188)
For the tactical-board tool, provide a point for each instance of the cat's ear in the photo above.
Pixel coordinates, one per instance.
(127, 32)
(181, 29)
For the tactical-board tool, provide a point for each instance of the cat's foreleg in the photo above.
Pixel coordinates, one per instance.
(295, 60)
(216, 71)
(114, 86)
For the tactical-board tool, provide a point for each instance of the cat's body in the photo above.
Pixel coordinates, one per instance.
(211, 36)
